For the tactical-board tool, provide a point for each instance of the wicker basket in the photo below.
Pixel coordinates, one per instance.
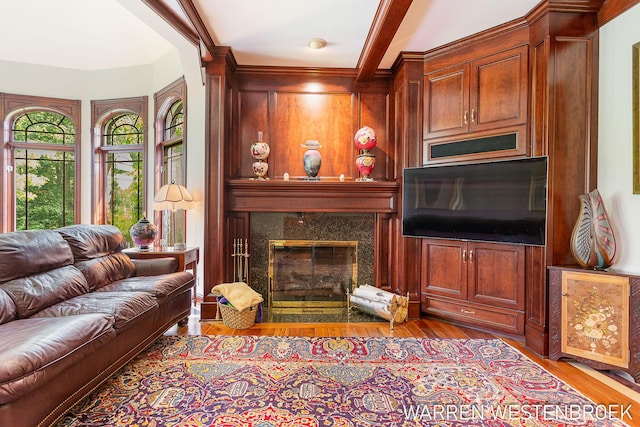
(235, 319)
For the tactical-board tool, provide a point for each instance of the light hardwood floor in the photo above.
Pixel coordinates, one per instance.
(596, 386)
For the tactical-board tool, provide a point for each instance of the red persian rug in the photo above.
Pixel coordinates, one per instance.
(249, 381)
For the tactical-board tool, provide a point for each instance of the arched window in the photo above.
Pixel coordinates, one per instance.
(42, 160)
(173, 145)
(119, 184)
(170, 155)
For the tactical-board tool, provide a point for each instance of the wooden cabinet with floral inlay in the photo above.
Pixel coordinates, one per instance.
(594, 318)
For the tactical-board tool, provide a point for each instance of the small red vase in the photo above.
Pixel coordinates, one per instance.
(365, 164)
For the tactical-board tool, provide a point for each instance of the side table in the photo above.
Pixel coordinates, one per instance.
(187, 258)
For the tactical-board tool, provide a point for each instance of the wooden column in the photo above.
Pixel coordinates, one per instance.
(218, 133)
(563, 126)
(406, 117)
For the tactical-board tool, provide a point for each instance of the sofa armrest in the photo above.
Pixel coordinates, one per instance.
(155, 266)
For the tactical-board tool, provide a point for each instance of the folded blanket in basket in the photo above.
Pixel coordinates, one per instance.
(239, 294)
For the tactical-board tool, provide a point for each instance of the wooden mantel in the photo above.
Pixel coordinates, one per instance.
(297, 195)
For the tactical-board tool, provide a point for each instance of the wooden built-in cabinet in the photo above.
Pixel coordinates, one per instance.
(477, 283)
(473, 100)
(488, 93)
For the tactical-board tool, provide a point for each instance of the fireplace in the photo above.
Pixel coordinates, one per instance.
(311, 276)
(267, 227)
(300, 210)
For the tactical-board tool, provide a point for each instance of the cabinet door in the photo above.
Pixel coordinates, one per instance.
(496, 274)
(446, 102)
(498, 90)
(444, 270)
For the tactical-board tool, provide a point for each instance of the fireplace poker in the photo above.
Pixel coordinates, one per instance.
(246, 260)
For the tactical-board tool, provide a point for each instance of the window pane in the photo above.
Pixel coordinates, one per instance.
(174, 122)
(45, 127)
(173, 164)
(123, 191)
(125, 129)
(44, 186)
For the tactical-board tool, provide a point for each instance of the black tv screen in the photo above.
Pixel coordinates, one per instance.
(501, 201)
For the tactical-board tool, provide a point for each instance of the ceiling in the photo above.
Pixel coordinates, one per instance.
(104, 34)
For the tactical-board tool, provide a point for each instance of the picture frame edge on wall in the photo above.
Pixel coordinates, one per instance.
(636, 115)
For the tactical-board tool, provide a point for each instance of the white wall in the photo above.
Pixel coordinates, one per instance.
(27, 79)
(615, 137)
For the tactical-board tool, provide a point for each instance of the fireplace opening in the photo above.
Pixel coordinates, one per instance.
(311, 276)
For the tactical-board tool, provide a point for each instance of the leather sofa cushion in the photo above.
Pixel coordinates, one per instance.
(92, 241)
(106, 269)
(155, 266)
(33, 293)
(125, 307)
(8, 309)
(23, 253)
(159, 286)
(34, 350)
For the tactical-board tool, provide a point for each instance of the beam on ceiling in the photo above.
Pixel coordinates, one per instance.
(388, 18)
(207, 46)
(165, 12)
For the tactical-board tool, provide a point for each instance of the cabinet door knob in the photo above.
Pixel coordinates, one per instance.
(473, 115)
(467, 311)
(564, 294)
(466, 116)
(464, 256)
(470, 256)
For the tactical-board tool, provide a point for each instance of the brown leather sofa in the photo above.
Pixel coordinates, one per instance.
(72, 312)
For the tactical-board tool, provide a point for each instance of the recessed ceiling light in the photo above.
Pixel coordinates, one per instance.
(316, 43)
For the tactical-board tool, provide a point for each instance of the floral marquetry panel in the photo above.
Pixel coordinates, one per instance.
(594, 318)
(595, 312)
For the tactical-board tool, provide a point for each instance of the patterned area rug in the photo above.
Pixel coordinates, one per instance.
(248, 381)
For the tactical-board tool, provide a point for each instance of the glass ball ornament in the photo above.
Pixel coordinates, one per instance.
(365, 138)
(260, 151)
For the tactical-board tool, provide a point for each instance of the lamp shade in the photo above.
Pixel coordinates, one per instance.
(173, 196)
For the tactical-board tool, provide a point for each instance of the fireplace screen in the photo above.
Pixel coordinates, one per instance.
(311, 275)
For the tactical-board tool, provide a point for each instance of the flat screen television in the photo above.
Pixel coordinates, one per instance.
(501, 201)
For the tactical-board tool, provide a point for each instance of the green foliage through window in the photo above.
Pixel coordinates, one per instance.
(44, 175)
(44, 126)
(124, 171)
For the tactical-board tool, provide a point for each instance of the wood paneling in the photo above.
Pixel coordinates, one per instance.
(373, 112)
(325, 117)
(328, 107)
(383, 270)
(254, 116)
(563, 125)
(535, 299)
(311, 196)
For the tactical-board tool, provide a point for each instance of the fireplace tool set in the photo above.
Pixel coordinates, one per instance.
(240, 257)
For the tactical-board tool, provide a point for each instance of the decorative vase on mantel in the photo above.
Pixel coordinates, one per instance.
(260, 151)
(593, 244)
(312, 160)
(365, 140)
(143, 233)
